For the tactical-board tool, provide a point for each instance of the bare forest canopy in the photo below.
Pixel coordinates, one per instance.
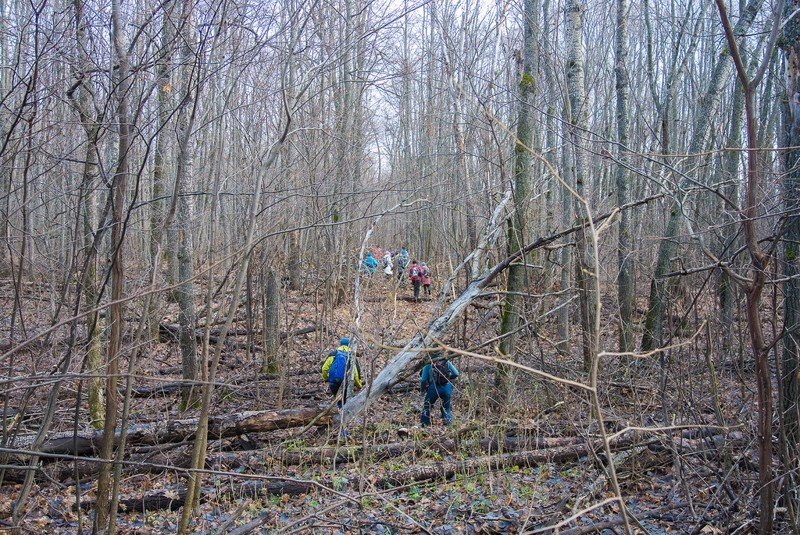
(606, 195)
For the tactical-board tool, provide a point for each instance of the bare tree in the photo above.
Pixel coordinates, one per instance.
(517, 273)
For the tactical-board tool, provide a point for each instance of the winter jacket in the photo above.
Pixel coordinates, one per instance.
(426, 376)
(426, 280)
(370, 263)
(418, 276)
(326, 366)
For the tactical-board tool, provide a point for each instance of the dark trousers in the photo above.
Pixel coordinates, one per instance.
(445, 393)
(333, 388)
(427, 288)
(416, 289)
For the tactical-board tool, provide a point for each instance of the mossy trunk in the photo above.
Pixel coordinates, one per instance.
(271, 323)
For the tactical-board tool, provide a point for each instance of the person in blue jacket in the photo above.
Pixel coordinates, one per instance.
(370, 264)
(436, 381)
(402, 262)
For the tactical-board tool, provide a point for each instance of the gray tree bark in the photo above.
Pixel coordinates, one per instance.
(585, 275)
(104, 519)
(271, 323)
(517, 272)
(625, 278)
(790, 358)
(185, 293)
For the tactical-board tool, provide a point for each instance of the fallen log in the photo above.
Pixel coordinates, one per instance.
(379, 452)
(182, 430)
(175, 497)
(528, 458)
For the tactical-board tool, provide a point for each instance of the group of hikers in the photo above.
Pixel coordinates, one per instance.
(435, 380)
(418, 273)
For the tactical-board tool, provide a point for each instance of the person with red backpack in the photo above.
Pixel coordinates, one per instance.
(415, 275)
(336, 368)
(436, 382)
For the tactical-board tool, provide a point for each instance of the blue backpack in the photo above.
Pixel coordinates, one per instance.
(338, 366)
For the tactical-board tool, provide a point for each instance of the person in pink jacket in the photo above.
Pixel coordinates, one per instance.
(426, 279)
(415, 275)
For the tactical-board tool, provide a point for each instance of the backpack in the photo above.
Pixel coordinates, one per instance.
(426, 272)
(338, 367)
(441, 372)
(414, 272)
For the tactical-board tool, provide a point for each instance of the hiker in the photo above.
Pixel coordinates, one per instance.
(402, 262)
(337, 366)
(436, 382)
(387, 263)
(370, 264)
(415, 275)
(426, 278)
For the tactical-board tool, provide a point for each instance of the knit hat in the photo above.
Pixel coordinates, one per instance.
(344, 342)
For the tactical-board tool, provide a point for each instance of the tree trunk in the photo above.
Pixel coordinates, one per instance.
(158, 217)
(517, 272)
(167, 432)
(184, 224)
(271, 332)
(119, 187)
(790, 359)
(586, 277)
(626, 268)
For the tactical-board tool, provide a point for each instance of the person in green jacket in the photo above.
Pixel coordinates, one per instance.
(337, 366)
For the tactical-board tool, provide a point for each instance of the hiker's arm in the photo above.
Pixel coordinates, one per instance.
(424, 376)
(357, 376)
(326, 368)
(453, 370)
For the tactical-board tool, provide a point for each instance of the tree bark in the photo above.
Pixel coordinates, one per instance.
(625, 279)
(790, 358)
(517, 272)
(119, 187)
(585, 275)
(271, 332)
(185, 294)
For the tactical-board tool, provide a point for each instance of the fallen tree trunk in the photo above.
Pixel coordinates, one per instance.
(181, 430)
(174, 498)
(379, 452)
(528, 458)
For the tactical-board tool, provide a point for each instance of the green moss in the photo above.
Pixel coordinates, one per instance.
(527, 82)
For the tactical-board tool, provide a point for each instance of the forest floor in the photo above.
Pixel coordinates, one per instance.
(390, 476)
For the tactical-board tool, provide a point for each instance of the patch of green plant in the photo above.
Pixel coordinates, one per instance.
(482, 506)
(339, 483)
(526, 492)
(570, 472)
(414, 493)
(393, 466)
(294, 444)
